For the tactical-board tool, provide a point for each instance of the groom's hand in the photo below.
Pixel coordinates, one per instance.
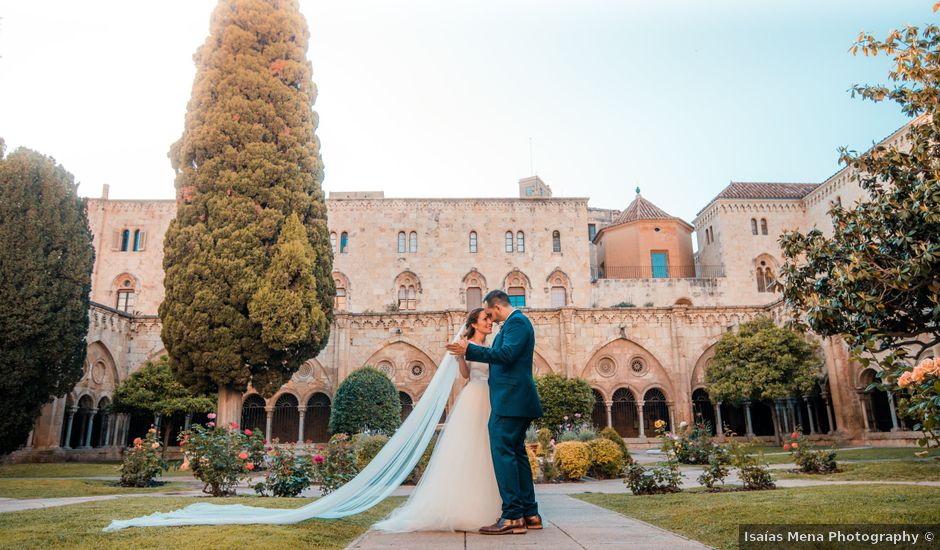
(458, 348)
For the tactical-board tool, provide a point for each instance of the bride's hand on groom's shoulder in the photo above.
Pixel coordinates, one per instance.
(458, 348)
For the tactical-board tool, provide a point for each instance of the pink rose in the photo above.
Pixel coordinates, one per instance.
(243, 455)
(211, 416)
(250, 466)
(786, 446)
(318, 459)
(137, 441)
(211, 424)
(577, 415)
(156, 445)
(796, 445)
(234, 426)
(795, 435)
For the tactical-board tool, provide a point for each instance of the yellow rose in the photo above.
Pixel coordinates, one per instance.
(919, 374)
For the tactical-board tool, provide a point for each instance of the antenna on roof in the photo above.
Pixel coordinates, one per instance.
(637, 189)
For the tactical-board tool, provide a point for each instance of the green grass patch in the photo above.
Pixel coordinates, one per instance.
(899, 470)
(713, 518)
(73, 469)
(80, 525)
(780, 456)
(56, 488)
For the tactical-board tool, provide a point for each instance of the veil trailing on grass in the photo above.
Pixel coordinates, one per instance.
(383, 475)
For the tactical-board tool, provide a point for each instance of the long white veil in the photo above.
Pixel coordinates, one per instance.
(383, 475)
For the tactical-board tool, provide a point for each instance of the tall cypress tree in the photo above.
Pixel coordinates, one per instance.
(46, 258)
(249, 292)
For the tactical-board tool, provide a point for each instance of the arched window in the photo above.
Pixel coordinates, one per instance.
(253, 413)
(765, 277)
(407, 404)
(125, 295)
(406, 298)
(344, 243)
(333, 242)
(401, 242)
(473, 242)
(285, 424)
(509, 241)
(317, 418)
(624, 414)
(520, 242)
(125, 237)
(556, 241)
(655, 408)
(753, 226)
(139, 240)
(474, 297)
(559, 296)
(763, 226)
(516, 296)
(413, 242)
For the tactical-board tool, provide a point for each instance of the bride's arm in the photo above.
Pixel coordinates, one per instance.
(464, 368)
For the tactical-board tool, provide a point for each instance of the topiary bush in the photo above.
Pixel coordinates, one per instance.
(366, 401)
(612, 435)
(563, 397)
(572, 458)
(606, 459)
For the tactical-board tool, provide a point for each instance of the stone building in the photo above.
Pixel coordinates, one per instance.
(617, 297)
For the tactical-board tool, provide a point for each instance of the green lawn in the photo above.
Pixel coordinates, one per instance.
(713, 518)
(79, 526)
(55, 488)
(72, 469)
(897, 470)
(779, 456)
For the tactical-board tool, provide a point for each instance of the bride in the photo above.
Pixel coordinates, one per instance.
(458, 490)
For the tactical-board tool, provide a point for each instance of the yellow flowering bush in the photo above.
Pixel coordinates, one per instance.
(572, 458)
(606, 459)
(533, 463)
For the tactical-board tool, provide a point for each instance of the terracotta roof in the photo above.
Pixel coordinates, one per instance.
(763, 190)
(642, 209)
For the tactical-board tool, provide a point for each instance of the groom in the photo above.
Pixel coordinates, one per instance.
(515, 403)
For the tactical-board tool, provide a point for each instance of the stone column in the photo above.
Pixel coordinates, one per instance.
(157, 418)
(269, 421)
(125, 429)
(719, 424)
(29, 440)
(832, 424)
(188, 422)
(809, 412)
(106, 426)
(749, 426)
(88, 423)
(863, 400)
(671, 409)
(302, 412)
(894, 414)
(639, 407)
(610, 418)
(798, 421)
(68, 428)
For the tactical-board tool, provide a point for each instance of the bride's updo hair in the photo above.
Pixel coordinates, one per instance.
(472, 318)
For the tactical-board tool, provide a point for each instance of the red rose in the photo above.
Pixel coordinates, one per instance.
(247, 432)
(318, 459)
(795, 435)
(786, 446)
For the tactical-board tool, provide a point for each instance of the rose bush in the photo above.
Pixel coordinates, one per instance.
(143, 461)
(219, 456)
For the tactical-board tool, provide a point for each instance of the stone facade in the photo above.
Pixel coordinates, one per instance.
(407, 270)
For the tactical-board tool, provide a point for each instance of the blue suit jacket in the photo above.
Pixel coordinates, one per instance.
(512, 389)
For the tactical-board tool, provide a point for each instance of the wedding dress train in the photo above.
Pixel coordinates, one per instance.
(458, 490)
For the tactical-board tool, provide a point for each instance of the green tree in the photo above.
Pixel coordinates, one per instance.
(153, 390)
(875, 280)
(365, 400)
(762, 362)
(563, 397)
(46, 258)
(249, 293)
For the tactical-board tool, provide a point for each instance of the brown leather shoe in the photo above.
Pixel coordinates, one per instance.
(533, 522)
(505, 526)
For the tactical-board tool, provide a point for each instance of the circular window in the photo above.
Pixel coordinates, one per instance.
(127, 283)
(417, 370)
(304, 371)
(637, 366)
(385, 368)
(98, 373)
(606, 367)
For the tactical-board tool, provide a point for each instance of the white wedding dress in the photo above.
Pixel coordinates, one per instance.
(458, 490)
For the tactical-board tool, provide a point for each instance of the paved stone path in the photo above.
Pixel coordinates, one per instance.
(571, 524)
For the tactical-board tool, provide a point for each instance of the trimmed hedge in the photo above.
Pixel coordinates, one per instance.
(563, 397)
(572, 459)
(611, 434)
(366, 401)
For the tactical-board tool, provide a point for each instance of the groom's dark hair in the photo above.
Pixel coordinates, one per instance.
(494, 297)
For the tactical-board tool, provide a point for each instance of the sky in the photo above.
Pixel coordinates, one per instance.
(442, 98)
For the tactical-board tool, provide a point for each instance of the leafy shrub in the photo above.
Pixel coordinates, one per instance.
(574, 428)
(533, 463)
(288, 474)
(717, 469)
(335, 465)
(611, 434)
(808, 460)
(415, 476)
(217, 455)
(654, 480)
(572, 459)
(365, 400)
(367, 446)
(563, 397)
(531, 434)
(754, 475)
(689, 446)
(546, 442)
(143, 461)
(606, 459)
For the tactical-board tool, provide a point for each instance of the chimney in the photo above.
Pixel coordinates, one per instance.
(104, 191)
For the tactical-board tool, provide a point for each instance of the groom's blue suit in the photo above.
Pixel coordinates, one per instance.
(515, 403)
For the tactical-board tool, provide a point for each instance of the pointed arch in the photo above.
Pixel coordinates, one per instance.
(558, 284)
(343, 290)
(472, 289)
(630, 364)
